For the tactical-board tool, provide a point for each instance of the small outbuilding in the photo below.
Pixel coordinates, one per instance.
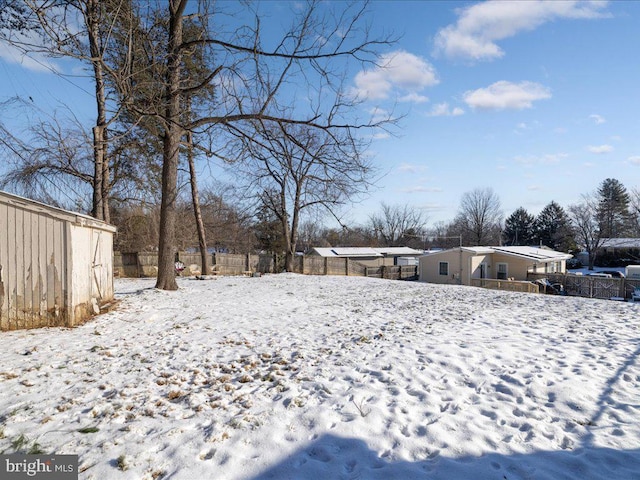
(462, 265)
(56, 266)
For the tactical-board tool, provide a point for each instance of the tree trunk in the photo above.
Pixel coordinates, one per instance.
(171, 151)
(101, 178)
(197, 211)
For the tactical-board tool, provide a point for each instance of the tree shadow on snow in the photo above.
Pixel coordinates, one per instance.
(337, 458)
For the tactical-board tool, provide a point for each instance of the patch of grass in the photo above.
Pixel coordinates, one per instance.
(22, 444)
(89, 430)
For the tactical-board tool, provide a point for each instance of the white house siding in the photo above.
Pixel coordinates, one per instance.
(46, 270)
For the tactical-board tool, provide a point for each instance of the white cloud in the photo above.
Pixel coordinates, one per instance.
(444, 110)
(378, 114)
(398, 71)
(599, 149)
(504, 95)
(421, 189)
(411, 168)
(597, 119)
(414, 98)
(481, 25)
(381, 136)
(634, 160)
(534, 188)
(35, 62)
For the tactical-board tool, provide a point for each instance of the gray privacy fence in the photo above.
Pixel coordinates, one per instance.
(591, 287)
(145, 264)
(314, 265)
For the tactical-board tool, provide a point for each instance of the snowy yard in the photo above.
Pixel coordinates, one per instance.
(300, 377)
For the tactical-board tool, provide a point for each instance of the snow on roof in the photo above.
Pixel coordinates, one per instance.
(355, 252)
(365, 251)
(478, 250)
(346, 252)
(398, 251)
(534, 253)
(621, 242)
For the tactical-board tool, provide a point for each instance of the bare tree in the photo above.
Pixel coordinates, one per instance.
(397, 223)
(53, 31)
(297, 168)
(479, 217)
(587, 225)
(249, 77)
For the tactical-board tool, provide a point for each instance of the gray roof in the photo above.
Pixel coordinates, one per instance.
(537, 254)
(621, 242)
(366, 251)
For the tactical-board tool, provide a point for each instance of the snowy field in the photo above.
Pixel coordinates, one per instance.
(300, 377)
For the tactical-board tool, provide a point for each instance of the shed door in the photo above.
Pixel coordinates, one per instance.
(96, 265)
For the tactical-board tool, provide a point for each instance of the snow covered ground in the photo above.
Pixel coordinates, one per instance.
(300, 377)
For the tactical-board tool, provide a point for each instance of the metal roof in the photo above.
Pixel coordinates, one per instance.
(621, 242)
(534, 253)
(366, 251)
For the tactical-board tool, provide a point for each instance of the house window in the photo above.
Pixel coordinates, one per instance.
(444, 268)
(502, 271)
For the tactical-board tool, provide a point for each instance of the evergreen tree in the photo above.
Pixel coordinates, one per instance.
(552, 228)
(613, 209)
(518, 228)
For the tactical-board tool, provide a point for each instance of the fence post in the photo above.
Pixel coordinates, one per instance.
(326, 265)
(346, 266)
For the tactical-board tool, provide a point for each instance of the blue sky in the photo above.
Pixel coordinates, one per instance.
(537, 100)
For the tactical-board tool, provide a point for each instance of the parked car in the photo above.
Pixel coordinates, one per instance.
(614, 273)
(599, 274)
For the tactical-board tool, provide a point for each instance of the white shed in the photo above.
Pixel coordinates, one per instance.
(56, 266)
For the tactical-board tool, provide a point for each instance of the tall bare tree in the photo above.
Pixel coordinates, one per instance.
(479, 217)
(587, 226)
(52, 27)
(250, 75)
(397, 223)
(297, 168)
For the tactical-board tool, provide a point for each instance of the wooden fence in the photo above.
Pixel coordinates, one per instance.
(509, 285)
(315, 265)
(590, 287)
(145, 264)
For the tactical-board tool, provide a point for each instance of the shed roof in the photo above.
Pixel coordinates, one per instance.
(55, 212)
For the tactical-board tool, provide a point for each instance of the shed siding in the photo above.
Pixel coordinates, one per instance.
(56, 267)
(32, 260)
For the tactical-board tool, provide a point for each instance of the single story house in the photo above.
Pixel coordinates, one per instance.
(56, 266)
(372, 257)
(463, 264)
